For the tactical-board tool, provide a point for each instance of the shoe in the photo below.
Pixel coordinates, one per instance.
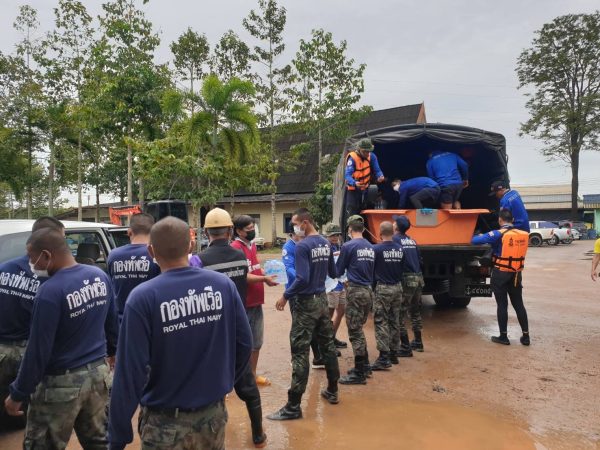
(262, 441)
(338, 353)
(353, 377)
(381, 363)
(404, 352)
(525, 339)
(288, 412)
(318, 364)
(262, 381)
(339, 344)
(417, 346)
(502, 339)
(393, 358)
(331, 397)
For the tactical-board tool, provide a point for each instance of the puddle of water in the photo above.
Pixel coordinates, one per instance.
(384, 421)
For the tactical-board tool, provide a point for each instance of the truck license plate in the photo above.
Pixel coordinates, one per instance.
(478, 290)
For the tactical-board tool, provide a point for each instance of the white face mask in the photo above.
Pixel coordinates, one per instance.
(299, 231)
(40, 273)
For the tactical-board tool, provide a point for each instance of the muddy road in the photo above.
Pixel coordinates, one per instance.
(463, 392)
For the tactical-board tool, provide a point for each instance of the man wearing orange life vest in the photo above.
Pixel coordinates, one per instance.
(360, 165)
(509, 247)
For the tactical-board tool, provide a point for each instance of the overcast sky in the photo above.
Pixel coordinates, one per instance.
(457, 56)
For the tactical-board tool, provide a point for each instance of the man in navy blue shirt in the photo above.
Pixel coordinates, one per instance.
(130, 265)
(417, 193)
(314, 260)
(357, 259)
(64, 368)
(337, 297)
(389, 267)
(18, 286)
(451, 173)
(184, 341)
(511, 200)
(412, 286)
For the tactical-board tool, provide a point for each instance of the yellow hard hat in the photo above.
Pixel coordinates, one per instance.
(217, 218)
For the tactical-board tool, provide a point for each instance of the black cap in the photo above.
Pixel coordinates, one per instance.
(498, 186)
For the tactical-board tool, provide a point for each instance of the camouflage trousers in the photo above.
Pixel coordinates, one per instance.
(202, 429)
(360, 303)
(10, 360)
(61, 403)
(412, 286)
(311, 317)
(386, 314)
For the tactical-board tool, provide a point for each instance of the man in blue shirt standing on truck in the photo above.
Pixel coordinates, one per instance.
(64, 370)
(357, 259)
(314, 261)
(511, 200)
(185, 340)
(451, 173)
(361, 165)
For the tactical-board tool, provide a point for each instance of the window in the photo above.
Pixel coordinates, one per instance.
(13, 245)
(74, 239)
(287, 228)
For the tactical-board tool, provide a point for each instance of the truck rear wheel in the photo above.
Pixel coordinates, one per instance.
(446, 300)
(535, 240)
(555, 240)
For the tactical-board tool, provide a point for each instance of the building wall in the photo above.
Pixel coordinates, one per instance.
(262, 211)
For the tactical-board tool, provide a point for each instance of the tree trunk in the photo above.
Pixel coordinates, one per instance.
(232, 202)
(51, 180)
(273, 212)
(30, 183)
(142, 193)
(193, 220)
(320, 146)
(129, 175)
(574, 184)
(79, 179)
(97, 203)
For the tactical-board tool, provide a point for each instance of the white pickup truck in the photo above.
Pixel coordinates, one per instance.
(549, 233)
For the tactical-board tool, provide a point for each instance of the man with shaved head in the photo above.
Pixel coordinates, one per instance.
(64, 373)
(130, 265)
(18, 286)
(389, 260)
(184, 341)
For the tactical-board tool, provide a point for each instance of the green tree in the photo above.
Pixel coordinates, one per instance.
(199, 157)
(273, 82)
(68, 51)
(330, 86)
(563, 69)
(190, 58)
(231, 58)
(27, 95)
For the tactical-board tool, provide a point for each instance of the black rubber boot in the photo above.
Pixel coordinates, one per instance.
(355, 375)
(525, 339)
(405, 350)
(259, 438)
(340, 344)
(502, 339)
(393, 357)
(290, 411)
(417, 342)
(367, 367)
(382, 363)
(331, 397)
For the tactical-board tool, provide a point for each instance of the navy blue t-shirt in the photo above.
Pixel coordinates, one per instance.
(357, 258)
(73, 321)
(18, 287)
(129, 266)
(314, 260)
(389, 262)
(184, 340)
(412, 258)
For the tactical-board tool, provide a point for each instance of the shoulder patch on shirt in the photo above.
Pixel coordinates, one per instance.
(491, 233)
(284, 252)
(349, 162)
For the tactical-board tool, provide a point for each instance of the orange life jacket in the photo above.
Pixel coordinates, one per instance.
(362, 170)
(514, 249)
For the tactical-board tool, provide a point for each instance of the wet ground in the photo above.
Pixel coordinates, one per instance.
(463, 392)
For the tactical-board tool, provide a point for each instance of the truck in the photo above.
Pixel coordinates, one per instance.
(451, 266)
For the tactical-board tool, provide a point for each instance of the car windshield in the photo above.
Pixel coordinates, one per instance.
(13, 245)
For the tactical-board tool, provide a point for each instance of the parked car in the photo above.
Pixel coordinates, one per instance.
(14, 235)
(547, 232)
(579, 226)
